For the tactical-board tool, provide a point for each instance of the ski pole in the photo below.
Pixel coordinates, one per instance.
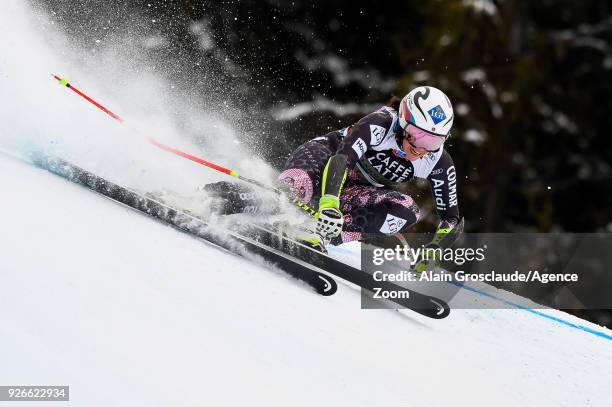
(164, 147)
(198, 160)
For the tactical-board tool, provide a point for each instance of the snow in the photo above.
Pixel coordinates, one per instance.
(482, 6)
(129, 311)
(421, 76)
(474, 136)
(340, 69)
(282, 112)
(203, 31)
(472, 76)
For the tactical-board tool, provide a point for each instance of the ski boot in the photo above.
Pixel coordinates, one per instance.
(304, 234)
(312, 240)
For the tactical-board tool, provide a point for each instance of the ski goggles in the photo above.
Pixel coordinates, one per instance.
(419, 138)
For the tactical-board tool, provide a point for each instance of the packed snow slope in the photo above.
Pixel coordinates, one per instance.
(131, 312)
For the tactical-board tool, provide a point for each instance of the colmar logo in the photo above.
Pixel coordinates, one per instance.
(437, 114)
(445, 195)
(377, 134)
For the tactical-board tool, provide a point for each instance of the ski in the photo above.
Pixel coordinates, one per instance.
(298, 260)
(273, 235)
(226, 239)
(423, 304)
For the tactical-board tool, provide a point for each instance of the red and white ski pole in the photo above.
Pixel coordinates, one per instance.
(201, 161)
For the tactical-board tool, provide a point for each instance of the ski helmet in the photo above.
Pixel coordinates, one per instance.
(428, 109)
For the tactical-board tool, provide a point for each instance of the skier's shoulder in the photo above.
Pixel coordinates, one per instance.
(377, 126)
(383, 116)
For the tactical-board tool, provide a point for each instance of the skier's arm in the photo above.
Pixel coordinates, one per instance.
(368, 130)
(443, 180)
(329, 217)
(334, 176)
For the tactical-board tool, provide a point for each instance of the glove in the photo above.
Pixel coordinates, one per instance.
(448, 232)
(445, 236)
(428, 262)
(329, 217)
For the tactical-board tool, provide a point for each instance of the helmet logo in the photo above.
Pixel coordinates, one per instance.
(437, 114)
(421, 95)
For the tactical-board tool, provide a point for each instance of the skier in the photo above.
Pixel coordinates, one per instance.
(348, 175)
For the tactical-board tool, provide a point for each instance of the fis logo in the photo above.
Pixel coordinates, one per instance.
(392, 224)
(437, 114)
(377, 133)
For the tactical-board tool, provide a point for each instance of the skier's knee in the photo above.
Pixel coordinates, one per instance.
(403, 214)
(298, 183)
(415, 211)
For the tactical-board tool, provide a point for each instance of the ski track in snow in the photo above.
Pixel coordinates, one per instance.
(129, 312)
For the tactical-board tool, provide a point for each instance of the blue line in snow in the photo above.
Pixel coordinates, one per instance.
(539, 313)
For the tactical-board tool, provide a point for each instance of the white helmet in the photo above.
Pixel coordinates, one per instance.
(427, 108)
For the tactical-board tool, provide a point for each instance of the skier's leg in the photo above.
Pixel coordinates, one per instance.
(301, 178)
(371, 210)
(303, 171)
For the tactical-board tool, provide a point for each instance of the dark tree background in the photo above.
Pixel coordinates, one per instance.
(530, 82)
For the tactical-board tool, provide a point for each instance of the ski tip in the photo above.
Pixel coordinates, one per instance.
(329, 286)
(441, 310)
